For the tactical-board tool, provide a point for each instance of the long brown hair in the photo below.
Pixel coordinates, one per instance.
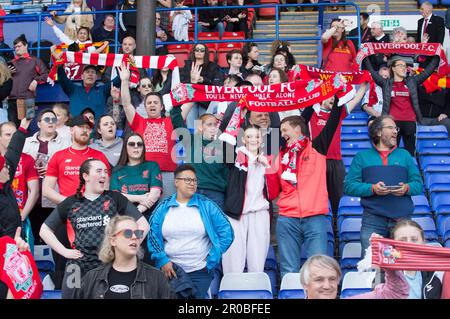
(123, 159)
(192, 54)
(406, 222)
(5, 73)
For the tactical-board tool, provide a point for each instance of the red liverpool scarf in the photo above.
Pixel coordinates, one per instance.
(135, 62)
(291, 96)
(304, 72)
(52, 75)
(397, 255)
(429, 49)
(289, 160)
(265, 98)
(18, 271)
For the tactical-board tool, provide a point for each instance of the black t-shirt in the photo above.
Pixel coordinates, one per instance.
(88, 220)
(120, 284)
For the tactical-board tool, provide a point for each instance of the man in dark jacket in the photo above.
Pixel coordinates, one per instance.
(9, 211)
(27, 72)
(378, 36)
(366, 35)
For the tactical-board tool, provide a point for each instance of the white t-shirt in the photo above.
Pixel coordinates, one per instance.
(254, 197)
(185, 240)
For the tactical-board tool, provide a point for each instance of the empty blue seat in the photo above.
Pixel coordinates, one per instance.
(51, 294)
(349, 205)
(428, 226)
(440, 201)
(433, 147)
(357, 118)
(444, 227)
(433, 2)
(347, 160)
(350, 148)
(435, 163)
(349, 229)
(351, 255)
(351, 133)
(421, 205)
(291, 287)
(255, 285)
(437, 181)
(431, 132)
(355, 283)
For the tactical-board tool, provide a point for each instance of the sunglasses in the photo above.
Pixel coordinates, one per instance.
(49, 119)
(145, 86)
(135, 144)
(200, 50)
(128, 233)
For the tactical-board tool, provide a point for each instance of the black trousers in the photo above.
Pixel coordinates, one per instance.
(408, 133)
(12, 112)
(335, 182)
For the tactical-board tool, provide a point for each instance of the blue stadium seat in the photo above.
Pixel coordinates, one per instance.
(352, 133)
(433, 2)
(421, 205)
(350, 148)
(433, 147)
(440, 201)
(435, 163)
(44, 258)
(349, 229)
(355, 283)
(51, 294)
(428, 226)
(431, 132)
(349, 205)
(351, 255)
(255, 285)
(50, 94)
(291, 287)
(437, 181)
(444, 228)
(357, 118)
(347, 160)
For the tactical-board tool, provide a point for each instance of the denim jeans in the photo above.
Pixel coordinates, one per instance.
(375, 224)
(218, 28)
(292, 233)
(202, 280)
(215, 196)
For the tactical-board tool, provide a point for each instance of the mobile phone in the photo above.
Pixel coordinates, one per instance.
(29, 109)
(392, 187)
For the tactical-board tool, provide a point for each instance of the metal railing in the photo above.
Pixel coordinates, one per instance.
(278, 7)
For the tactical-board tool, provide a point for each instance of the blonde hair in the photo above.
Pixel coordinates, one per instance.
(107, 254)
(5, 73)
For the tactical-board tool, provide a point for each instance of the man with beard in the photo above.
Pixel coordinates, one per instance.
(385, 177)
(63, 171)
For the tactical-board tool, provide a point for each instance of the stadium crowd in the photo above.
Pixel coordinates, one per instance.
(102, 183)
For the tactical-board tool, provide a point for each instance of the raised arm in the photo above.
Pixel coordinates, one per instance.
(129, 109)
(358, 97)
(328, 34)
(378, 79)
(323, 141)
(429, 69)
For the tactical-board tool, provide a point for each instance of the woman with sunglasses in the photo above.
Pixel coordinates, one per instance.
(137, 179)
(200, 70)
(123, 275)
(138, 96)
(88, 213)
(106, 140)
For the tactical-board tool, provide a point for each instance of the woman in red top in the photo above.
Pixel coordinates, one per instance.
(338, 53)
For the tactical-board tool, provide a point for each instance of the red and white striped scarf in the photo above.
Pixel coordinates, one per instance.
(398, 255)
(115, 60)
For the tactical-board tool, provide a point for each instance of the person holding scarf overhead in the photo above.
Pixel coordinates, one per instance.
(300, 180)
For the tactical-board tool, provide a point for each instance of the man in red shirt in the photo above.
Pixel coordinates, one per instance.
(318, 116)
(26, 180)
(63, 168)
(157, 131)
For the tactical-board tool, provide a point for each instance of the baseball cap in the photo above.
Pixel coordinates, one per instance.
(80, 120)
(90, 66)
